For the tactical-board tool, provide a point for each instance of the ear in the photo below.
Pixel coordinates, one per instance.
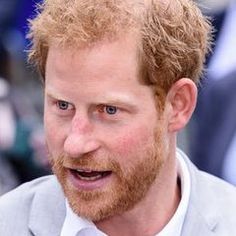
(181, 100)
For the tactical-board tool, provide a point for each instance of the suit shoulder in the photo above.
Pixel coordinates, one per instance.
(221, 190)
(21, 197)
(210, 188)
(217, 198)
(19, 207)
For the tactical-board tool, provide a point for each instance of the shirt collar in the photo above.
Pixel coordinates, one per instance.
(74, 225)
(175, 225)
(77, 226)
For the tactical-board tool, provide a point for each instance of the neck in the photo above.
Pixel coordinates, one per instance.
(151, 214)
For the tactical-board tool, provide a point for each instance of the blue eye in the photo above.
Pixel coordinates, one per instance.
(63, 105)
(111, 110)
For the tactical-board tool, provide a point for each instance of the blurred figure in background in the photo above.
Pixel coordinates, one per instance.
(20, 137)
(213, 127)
(21, 133)
(216, 134)
(216, 11)
(8, 178)
(223, 59)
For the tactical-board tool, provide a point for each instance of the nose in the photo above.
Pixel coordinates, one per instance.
(76, 145)
(80, 140)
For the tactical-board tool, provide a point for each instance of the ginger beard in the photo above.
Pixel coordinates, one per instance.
(129, 185)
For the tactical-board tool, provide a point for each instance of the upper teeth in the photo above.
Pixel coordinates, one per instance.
(86, 171)
(90, 178)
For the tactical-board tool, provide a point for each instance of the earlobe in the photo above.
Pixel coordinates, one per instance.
(182, 101)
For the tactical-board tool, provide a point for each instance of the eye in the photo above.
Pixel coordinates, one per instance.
(110, 110)
(63, 105)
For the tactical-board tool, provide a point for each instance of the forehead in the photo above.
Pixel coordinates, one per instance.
(105, 73)
(105, 66)
(111, 57)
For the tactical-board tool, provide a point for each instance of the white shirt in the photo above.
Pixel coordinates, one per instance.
(77, 226)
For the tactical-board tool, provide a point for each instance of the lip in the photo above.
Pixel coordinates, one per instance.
(86, 185)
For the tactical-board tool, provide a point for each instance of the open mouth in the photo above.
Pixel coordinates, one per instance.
(89, 175)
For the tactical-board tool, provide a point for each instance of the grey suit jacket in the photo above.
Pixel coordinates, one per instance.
(38, 208)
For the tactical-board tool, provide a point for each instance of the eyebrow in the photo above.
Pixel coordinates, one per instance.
(115, 99)
(118, 99)
(55, 97)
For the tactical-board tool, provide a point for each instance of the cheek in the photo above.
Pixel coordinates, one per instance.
(132, 141)
(54, 135)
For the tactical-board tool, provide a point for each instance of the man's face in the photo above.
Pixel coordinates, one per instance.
(104, 135)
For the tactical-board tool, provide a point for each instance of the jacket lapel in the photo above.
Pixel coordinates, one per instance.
(48, 210)
(202, 216)
(197, 224)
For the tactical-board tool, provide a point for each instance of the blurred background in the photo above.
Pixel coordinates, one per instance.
(22, 149)
(209, 139)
